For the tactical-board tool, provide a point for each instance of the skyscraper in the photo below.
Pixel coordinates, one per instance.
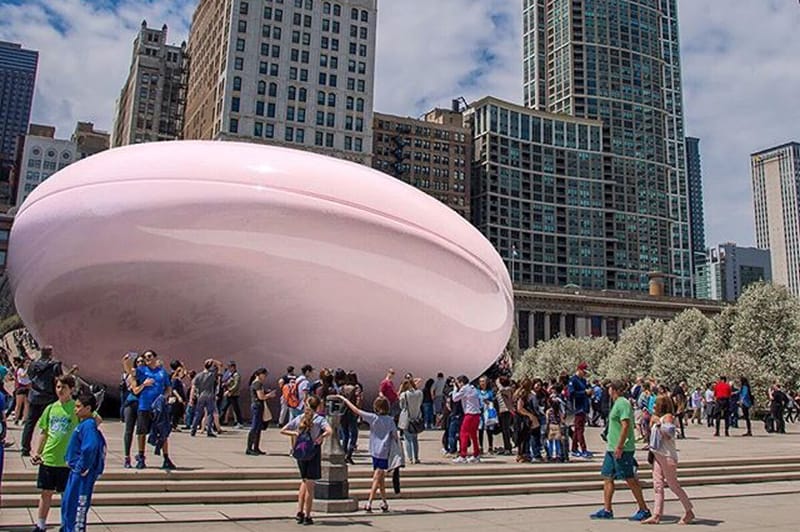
(618, 61)
(729, 270)
(694, 176)
(776, 199)
(297, 73)
(17, 80)
(151, 104)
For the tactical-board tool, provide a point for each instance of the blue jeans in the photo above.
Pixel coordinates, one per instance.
(453, 429)
(348, 433)
(412, 446)
(208, 405)
(427, 415)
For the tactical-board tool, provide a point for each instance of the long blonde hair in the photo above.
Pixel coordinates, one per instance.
(312, 403)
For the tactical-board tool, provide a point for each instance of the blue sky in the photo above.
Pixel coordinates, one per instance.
(741, 80)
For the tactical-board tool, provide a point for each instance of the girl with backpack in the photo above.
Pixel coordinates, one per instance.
(308, 430)
(382, 432)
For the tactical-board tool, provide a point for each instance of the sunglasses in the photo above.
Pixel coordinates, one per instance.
(148, 357)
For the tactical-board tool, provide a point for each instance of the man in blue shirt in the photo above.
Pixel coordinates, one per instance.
(155, 382)
(579, 393)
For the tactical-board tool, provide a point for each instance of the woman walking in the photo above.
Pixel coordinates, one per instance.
(410, 420)
(746, 399)
(308, 430)
(665, 466)
(382, 431)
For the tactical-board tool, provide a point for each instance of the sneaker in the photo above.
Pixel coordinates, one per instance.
(602, 513)
(127, 464)
(444, 452)
(641, 515)
(308, 521)
(211, 435)
(459, 460)
(251, 452)
(168, 465)
(576, 454)
(37, 529)
(587, 454)
(300, 517)
(140, 462)
(473, 460)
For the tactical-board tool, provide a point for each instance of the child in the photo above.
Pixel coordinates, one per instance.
(308, 453)
(86, 456)
(56, 425)
(555, 436)
(382, 430)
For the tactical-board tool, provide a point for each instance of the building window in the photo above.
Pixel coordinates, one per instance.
(276, 51)
(326, 8)
(349, 103)
(242, 26)
(264, 48)
(271, 110)
(243, 8)
(354, 14)
(362, 32)
(260, 108)
(273, 69)
(300, 135)
(360, 105)
(332, 79)
(320, 118)
(292, 93)
(318, 138)
(337, 10)
(331, 120)
(288, 134)
(234, 125)
(240, 45)
(290, 113)
(262, 87)
(273, 89)
(361, 86)
(329, 140)
(323, 78)
(262, 67)
(301, 95)
(238, 63)
(235, 104)
(269, 131)
(348, 142)
(278, 15)
(358, 144)
(301, 115)
(364, 16)
(258, 129)
(237, 83)
(268, 13)
(321, 97)
(331, 99)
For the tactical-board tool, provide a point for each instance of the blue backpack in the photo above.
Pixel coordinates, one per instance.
(304, 447)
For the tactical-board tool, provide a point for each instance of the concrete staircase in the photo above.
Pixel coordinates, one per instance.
(241, 486)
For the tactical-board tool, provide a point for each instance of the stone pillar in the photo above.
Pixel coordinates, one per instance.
(602, 326)
(546, 326)
(562, 325)
(331, 492)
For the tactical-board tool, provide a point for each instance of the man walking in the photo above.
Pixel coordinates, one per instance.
(204, 387)
(388, 391)
(438, 397)
(778, 402)
(619, 462)
(43, 374)
(722, 398)
(231, 395)
(579, 392)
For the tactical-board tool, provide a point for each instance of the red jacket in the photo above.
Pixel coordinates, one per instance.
(722, 390)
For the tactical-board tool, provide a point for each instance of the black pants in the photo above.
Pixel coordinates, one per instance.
(489, 439)
(227, 403)
(505, 427)
(129, 413)
(680, 424)
(746, 416)
(780, 423)
(35, 411)
(523, 434)
(722, 413)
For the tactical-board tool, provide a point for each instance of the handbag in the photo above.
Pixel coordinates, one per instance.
(416, 425)
(304, 449)
(266, 417)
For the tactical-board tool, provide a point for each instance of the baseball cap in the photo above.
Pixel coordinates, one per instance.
(583, 366)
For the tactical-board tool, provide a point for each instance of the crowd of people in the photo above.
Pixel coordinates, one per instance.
(533, 419)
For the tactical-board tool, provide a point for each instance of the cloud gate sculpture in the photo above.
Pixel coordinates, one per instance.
(264, 255)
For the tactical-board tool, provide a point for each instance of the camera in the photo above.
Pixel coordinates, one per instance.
(334, 406)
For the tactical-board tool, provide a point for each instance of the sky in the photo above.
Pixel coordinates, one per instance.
(741, 71)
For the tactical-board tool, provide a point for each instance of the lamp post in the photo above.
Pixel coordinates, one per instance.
(514, 255)
(331, 492)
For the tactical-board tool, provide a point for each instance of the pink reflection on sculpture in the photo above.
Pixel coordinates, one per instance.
(265, 255)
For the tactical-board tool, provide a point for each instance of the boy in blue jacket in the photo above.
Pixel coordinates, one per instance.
(86, 456)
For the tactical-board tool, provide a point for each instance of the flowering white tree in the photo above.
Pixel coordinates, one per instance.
(554, 357)
(679, 355)
(633, 355)
(767, 328)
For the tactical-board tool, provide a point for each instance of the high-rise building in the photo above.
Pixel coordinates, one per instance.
(297, 73)
(538, 193)
(433, 154)
(694, 177)
(151, 104)
(88, 140)
(17, 80)
(729, 270)
(618, 61)
(41, 155)
(776, 198)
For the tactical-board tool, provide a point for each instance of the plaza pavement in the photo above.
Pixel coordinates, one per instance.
(724, 507)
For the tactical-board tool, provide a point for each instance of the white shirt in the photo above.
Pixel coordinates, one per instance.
(470, 400)
(709, 396)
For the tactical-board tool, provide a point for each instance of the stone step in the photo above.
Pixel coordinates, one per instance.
(136, 484)
(425, 470)
(511, 487)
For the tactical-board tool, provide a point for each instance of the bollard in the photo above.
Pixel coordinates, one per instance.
(331, 492)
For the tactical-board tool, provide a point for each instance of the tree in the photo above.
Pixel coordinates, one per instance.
(679, 355)
(563, 354)
(767, 328)
(633, 355)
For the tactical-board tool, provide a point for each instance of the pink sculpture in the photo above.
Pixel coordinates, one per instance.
(264, 255)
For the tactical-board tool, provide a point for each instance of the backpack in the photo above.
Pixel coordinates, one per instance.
(304, 447)
(291, 394)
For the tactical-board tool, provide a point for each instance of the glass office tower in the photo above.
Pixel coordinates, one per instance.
(618, 61)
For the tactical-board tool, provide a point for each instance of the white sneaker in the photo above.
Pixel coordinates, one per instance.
(473, 460)
(459, 460)
(444, 452)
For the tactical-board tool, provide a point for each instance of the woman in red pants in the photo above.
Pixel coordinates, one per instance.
(471, 402)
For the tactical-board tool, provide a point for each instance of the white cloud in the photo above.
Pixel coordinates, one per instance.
(740, 67)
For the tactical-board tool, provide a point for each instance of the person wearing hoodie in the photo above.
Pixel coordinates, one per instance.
(43, 374)
(86, 456)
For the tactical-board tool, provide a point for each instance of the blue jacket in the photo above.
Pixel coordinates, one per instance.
(162, 424)
(577, 392)
(87, 449)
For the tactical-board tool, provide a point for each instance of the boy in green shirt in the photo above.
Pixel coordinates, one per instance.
(619, 462)
(57, 423)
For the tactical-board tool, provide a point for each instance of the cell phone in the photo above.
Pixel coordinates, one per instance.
(133, 354)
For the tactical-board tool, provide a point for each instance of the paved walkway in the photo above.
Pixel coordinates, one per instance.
(730, 514)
